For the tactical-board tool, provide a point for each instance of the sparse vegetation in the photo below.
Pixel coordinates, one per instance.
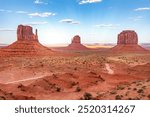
(148, 96)
(118, 97)
(73, 83)
(140, 91)
(21, 87)
(58, 89)
(78, 89)
(120, 87)
(113, 92)
(2, 98)
(87, 96)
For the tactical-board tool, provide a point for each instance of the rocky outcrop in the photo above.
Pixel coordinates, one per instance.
(76, 44)
(76, 39)
(127, 37)
(127, 42)
(27, 44)
(26, 33)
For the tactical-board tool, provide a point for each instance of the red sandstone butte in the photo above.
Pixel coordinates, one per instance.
(127, 37)
(128, 42)
(27, 44)
(26, 33)
(76, 44)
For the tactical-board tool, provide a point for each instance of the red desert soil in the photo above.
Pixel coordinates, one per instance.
(92, 75)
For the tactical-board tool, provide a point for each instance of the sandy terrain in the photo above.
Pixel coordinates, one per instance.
(79, 75)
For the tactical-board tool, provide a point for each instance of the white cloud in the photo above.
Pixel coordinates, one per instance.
(107, 25)
(136, 18)
(39, 2)
(142, 9)
(69, 21)
(3, 10)
(89, 1)
(45, 14)
(75, 22)
(7, 29)
(21, 12)
(37, 23)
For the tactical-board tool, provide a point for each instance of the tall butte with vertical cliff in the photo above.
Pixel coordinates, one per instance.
(27, 44)
(76, 44)
(128, 42)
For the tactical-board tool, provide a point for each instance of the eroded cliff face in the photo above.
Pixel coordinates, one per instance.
(76, 39)
(25, 33)
(127, 37)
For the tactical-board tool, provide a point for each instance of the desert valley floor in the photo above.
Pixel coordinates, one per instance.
(76, 75)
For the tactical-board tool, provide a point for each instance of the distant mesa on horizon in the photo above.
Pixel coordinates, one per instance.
(128, 42)
(76, 44)
(27, 44)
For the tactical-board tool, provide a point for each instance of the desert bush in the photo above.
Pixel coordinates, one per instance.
(148, 80)
(138, 84)
(148, 96)
(143, 87)
(2, 98)
(22, 87)
(129, 99)
(119, 87)
(118, 97)
(113, 92)
(87, 96)
(78, 89)
(140, 91)
(58, 89)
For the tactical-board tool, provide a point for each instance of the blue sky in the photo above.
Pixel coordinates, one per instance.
(96, 21)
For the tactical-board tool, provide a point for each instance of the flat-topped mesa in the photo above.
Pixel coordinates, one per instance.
(128, 42)
(76, 44)
(76, 39)
(127, 37)
(25, 33)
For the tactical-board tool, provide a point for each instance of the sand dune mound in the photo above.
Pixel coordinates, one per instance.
(76, 44)
(27, 44)
(128, 42)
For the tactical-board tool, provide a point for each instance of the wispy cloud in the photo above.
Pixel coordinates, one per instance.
(36, 23)
(107, 25)
(69, 21)
(21, 12)
(7, 29)
(136, 18)
(142, 9)
(4, 10)
(40, 2)
(45, 14)
(89, 1)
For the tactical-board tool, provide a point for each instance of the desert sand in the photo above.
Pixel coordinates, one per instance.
(71, 77)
